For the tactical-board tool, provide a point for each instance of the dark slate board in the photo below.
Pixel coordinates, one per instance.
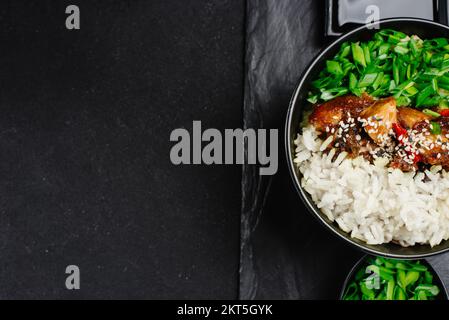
(285, 253)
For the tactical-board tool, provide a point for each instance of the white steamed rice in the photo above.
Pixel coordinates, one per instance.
(372, 202)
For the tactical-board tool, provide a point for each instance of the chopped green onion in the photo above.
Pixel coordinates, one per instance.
(334, 67)
(403, 101)
(313, 99)
(423, 95)
(444, 104)
(344, 52)
(412, 90)
(378, 80)
(397, 280)
(429, 289)
(358, 55)
(414, 47)
(390, 290)
(435, 84)
(399, 294)
(431, 113)
(431, 101)
(367, 80)
(421, 295)
(418, 267)
(427, 56)
(438, 42)
(414, 71)
(400, 50)
(367, 54)
(333, 93)
(435, 127)
(366, 291)
(411, 278)
(396, 76)
(437, 59)
(428, 277)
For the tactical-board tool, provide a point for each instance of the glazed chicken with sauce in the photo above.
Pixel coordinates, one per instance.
(362, 126)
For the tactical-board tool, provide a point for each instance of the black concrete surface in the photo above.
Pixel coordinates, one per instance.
(85, 174)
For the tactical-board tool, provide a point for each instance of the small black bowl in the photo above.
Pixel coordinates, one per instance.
(443, 295)
(423, 28)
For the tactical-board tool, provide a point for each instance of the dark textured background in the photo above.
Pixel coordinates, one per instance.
(85, 175)
(286, 253)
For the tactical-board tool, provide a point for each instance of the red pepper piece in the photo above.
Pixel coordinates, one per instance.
(444, 112)
(417, 158)
(399, 131)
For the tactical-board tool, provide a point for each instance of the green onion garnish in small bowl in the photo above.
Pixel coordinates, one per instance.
(378, 278)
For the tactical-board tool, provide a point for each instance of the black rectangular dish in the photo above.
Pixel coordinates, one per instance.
(344, 15)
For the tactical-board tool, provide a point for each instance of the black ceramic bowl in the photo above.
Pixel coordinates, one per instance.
(423, 28)
(443, 295)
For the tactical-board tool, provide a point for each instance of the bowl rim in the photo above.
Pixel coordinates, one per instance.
(289, 152)
(359, 262)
